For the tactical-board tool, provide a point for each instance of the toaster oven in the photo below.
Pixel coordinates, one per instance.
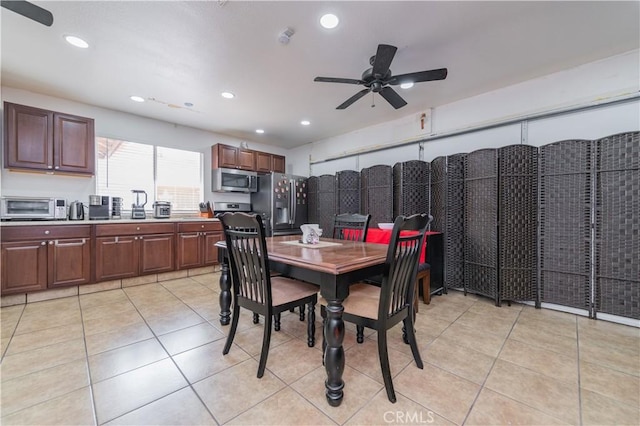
(33, 208)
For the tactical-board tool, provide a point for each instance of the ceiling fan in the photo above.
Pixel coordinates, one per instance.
(29, 10)
(378, 78)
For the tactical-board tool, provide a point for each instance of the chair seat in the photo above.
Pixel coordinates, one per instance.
(363, 300)
(423, 267)
(285, 290)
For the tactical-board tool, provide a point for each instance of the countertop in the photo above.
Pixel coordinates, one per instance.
(102, 222)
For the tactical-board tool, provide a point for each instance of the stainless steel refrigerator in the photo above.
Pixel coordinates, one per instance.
(282, 201)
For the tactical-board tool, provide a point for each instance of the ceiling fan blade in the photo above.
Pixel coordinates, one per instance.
(384, 56)
(417, 77)
(29, 10)
(338, 80)
(353, 99)
(392, 97)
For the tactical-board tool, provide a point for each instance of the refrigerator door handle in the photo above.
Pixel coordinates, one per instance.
(292, 200)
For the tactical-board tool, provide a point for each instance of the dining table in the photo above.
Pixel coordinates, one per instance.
(331, 264)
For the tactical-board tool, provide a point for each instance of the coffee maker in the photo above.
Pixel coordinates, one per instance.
(137, 208)
(116, 208)
(99, 206)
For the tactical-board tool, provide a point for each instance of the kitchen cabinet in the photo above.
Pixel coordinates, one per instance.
(41, 257)
(42, 140)
(266, 162)
(231, 157)
(196, 244)
(129, 250)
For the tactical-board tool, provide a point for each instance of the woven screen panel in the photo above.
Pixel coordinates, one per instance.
(564, 223)
(377, 193)
(312, 197)
(348, 192)
(455, 220)
(518, 231)
(480, 223)
(326, 203)
(617, 248)
(411, 183)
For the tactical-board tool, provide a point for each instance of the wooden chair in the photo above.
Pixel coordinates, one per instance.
(423, 279)
(253, 286)
(351, 226)
(381, 308)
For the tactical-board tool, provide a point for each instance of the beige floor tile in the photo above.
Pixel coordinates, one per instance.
(102, 298)
(116, 338)
(52, 307)
(488, 344)
(13, 299)
(99, 287)
(624, 339)
(380, 411)
(236, 389)
(250, 339)
(364, 358)
(73, 408)
(183, 318)
(52, 294)
(606, 328)
(190, 337)
(208, 308)
(358, 389)
(48, 336)
(100, 325)
(26, 391)
(294, 359)
(556, 398)
(35, 321)
(446, 394)
(286, 407)
(9, 317)
(29, 362)
(550, 325)
(179, 408)
(4, 344)
(488, 307)
(549, 363)
(619, 358)
(444, 311)
(126, 392)
(613, 384)
(464, 362)
(206, 360)
(117, 361)
(107, 311)
(532, 335)
(491, 408)
(486, 323)
(600, 410)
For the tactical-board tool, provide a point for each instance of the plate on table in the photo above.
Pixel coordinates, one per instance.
(386, 225)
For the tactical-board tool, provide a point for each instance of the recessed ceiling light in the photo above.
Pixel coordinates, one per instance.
(261, 131)
(227, 95)
(76, 41)
(136, 98)
(406, 85)
(329, 21)
(305, 122)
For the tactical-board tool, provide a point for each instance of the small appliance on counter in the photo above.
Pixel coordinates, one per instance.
(99, 206)
(137, 208)
(116, 207)
(33, 208)
(76, 210)
(161, 209)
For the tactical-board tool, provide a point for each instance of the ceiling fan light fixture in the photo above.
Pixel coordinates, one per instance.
(76, 41)
(260, 131)
(135, 98)
(227, 95)
(408, 85)
(305, 122)
(329, 21)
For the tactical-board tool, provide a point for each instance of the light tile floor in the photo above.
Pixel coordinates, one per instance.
(152, 354)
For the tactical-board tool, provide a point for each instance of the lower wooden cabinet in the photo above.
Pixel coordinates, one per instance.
(196, 244)
(40, 257)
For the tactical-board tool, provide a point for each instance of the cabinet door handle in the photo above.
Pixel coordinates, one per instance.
(140, 237)
(56, 167)
(116, 241)
(47, 232)
(44, 243)
(49, 167)
(52, 242)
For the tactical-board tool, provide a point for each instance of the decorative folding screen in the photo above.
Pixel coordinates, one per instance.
(347, 192)
(326, 203)
(312, 200)
(376, 184)
(411, 182)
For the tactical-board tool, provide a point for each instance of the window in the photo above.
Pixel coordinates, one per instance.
(166, 174)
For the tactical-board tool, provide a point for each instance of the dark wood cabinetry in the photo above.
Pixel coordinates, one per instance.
(129, 250)
(42, 140)
(231, 157)
(196, 244)
(41, 257)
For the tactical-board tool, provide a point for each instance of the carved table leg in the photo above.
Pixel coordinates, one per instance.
(225, 292)
(334, 353)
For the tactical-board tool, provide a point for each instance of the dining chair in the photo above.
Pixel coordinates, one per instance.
(381, 308)
(253, 286)
(351, 226)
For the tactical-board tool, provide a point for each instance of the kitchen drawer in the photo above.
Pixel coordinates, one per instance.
(199, 226)
(134, 229)
(23, 233)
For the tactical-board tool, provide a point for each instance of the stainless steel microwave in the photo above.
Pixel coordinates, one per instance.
(33, 208)
(232, 180)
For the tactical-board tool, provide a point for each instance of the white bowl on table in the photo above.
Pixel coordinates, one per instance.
(386, 225)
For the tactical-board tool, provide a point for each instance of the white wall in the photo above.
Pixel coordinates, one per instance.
(117, 125)
(609, 78)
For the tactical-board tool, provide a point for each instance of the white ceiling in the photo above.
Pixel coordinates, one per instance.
(177, 52)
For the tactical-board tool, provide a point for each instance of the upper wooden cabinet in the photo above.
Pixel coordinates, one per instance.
(41, 140)
(230, 157)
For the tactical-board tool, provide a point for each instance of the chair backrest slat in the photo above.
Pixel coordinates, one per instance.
(353, 227)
